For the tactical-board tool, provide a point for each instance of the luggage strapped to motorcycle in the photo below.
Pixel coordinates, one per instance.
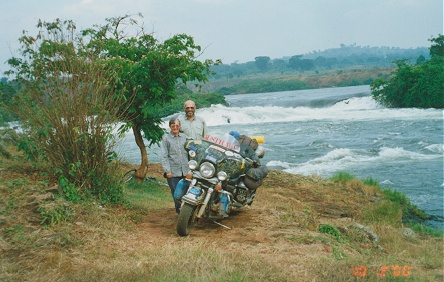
(248, 141)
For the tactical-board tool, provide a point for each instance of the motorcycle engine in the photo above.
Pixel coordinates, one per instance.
(230, 188)
(241, 194)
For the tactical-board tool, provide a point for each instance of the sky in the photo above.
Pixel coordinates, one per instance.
(240, 30)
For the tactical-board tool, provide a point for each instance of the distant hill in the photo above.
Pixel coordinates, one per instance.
(343, 66)
(345, 58)
(385, 52)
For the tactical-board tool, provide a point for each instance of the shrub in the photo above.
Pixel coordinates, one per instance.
(55, 212)
(417, 85)
(329, 229)
(67, 109)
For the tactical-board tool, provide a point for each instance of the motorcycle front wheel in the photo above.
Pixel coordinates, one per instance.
(187, 219)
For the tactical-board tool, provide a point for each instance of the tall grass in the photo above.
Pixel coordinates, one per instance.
(395, 207)
(342, 176)
(410, 212)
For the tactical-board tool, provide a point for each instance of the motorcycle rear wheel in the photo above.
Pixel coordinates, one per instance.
(187, 219)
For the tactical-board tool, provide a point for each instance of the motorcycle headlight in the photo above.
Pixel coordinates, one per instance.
(192, 164)
(222, 175)
(207, 170)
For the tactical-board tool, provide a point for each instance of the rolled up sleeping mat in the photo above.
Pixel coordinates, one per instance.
(259, 139)
(181, 189)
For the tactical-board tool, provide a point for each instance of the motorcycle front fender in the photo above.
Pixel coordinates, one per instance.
(198, 196)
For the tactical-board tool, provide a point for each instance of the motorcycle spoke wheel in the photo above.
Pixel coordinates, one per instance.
(187, 219)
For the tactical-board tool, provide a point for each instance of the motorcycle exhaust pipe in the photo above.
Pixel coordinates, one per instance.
(205, 202)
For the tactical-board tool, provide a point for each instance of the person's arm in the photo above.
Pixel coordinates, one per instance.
(205, 129)
(164, 155)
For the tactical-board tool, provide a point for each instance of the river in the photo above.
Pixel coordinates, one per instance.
(331, 130)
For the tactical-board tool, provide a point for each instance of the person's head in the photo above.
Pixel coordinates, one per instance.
(189, 108)
(174, 125)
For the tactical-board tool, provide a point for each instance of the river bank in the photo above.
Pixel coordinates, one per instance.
(300, 228)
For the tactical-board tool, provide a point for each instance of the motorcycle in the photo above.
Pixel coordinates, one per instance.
(224, 175)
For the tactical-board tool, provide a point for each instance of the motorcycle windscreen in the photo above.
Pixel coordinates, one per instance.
(227, 141)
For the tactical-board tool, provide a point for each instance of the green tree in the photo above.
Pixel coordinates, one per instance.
(306, 64)
(66, 105)
(262, 62)
(437, 48)
(148, 73)
(279, 65)
(421, 59)
(420, 85)
(294, 62)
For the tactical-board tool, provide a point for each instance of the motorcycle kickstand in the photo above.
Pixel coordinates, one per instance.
(222, 225)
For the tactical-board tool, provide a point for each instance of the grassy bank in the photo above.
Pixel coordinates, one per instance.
(298, 229)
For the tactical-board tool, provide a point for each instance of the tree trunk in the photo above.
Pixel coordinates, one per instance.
(143, 168)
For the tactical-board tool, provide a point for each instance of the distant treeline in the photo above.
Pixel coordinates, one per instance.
(344, 57)
(289, 82)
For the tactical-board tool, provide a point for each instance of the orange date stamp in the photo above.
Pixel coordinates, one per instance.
(384, 270)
